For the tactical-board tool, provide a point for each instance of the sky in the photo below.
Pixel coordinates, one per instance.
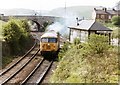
(52, 4)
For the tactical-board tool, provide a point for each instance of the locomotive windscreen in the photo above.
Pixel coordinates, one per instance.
(49, 40)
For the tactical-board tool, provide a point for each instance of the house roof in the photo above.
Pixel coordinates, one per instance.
(112, 12)
(90, 25)
(99, 27)
(100, 12)
(83, 25)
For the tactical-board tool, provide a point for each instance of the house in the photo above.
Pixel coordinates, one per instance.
(105, 14)
(86, 27)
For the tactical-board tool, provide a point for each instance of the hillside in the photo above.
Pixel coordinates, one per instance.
(16, 11)
(77, 11)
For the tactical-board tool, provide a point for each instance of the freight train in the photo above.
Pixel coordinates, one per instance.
(50, 42)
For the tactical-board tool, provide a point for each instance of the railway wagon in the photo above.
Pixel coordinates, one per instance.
(50, 42)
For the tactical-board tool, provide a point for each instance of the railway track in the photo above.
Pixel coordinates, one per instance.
(10, 72)
(38, 74)
(13, 73)
(10, 67)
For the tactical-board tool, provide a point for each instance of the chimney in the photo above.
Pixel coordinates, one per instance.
(105, 9)
(114, 9)
(2, 14)
(77, 21)
(95, 9)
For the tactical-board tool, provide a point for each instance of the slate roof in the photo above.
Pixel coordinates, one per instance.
(100, 12)
(99, 27)
(90, 25)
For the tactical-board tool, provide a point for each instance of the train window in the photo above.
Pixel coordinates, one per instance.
(53, 40)
(44, 40)
(50, 40)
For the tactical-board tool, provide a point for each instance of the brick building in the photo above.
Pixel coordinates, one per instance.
(105, 14)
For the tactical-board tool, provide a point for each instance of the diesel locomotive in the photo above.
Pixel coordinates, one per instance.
(50, 42)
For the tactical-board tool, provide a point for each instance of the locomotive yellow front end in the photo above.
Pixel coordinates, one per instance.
(49, 43)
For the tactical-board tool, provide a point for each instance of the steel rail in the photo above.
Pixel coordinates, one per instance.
(28, 77)
(42, 75)
(40, 79)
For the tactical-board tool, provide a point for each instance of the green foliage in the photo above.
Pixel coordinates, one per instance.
(1, 30)
(45, 24)
(109, 25)
(80, 65)
(63, 50)
(24, 25)
(116, 33)
(16, 35)
(97, 44)
(76, 41)
(116, 20)
(6, 60)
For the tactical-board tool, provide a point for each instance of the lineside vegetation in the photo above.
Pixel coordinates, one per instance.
(17, 39)
(92, 62)
(16, 35)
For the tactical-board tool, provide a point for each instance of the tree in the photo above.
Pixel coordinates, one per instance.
(11, 33)
(45, 24)
(116, 20)
(16, 35)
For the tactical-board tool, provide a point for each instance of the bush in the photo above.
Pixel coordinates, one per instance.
(116, 33)
(16, 35)
(78, 67)
(63, 50)
(97, 44)
(116, 20)
(76, 41)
